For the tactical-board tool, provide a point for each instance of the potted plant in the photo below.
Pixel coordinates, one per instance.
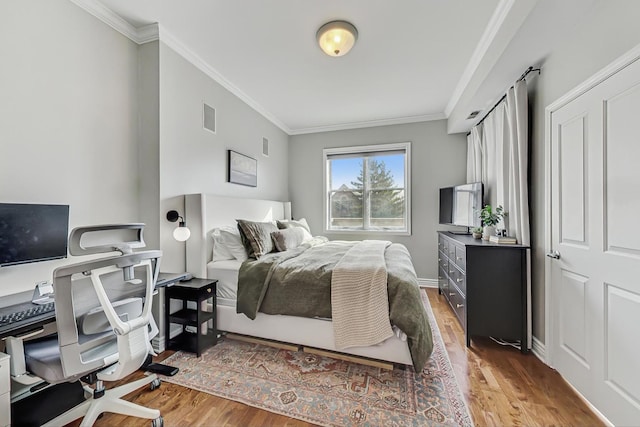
(476, 232)
(490, 218)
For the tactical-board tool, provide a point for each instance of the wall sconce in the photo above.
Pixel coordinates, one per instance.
(182, 232)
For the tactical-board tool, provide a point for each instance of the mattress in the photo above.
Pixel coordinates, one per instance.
(226, 294)
(227, 274)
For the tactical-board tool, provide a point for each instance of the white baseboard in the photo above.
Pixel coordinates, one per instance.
(427, 283)
(595, 410)
(539, 350)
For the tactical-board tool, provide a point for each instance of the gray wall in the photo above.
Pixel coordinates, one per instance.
(68, 119)
(438, 160)
(194, 160)
(149, 141)
(608, 31)
(90, 119)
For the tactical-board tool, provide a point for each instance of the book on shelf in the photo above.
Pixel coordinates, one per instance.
(503, 239)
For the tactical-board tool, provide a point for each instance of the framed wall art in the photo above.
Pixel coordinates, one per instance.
(241, 169)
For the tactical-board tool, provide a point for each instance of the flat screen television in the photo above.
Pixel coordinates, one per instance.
(32, 232)
(460, 205)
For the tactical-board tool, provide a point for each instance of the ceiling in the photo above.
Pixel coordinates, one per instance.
(414, 60)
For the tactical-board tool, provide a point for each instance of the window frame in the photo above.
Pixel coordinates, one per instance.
(363, 150)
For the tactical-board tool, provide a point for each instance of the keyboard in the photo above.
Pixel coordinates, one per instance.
(29, 311)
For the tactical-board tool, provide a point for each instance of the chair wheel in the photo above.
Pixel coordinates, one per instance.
(158, 422)
(154, 385)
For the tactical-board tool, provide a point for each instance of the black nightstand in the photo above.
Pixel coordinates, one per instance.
(197, 319)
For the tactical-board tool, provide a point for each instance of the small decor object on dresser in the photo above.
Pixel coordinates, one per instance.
(476, 232)
(503, 240)
(490, 218)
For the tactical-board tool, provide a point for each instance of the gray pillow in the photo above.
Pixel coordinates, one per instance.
(290, 223)
(289, 238)
(256, 237)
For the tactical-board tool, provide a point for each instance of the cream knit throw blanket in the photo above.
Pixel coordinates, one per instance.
(359, 300)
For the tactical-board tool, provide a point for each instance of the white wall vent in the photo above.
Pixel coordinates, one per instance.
(265, 146)
(473, 114)
(209, 118)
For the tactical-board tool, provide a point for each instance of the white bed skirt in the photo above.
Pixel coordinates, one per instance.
(305, 331)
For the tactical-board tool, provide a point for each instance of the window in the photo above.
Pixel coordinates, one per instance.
(368, 188)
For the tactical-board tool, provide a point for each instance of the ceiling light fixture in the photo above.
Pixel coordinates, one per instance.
(336, 38)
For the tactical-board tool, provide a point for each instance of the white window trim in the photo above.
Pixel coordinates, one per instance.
(406, 146)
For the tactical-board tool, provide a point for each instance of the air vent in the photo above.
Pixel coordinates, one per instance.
(473, 114)
(209, 118)
(265, 146)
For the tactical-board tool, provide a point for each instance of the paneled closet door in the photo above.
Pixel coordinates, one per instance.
(595, 282)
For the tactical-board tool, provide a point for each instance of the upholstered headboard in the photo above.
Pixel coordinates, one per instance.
(204, 212)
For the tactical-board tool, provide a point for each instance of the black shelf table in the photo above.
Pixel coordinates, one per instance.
(197, 320)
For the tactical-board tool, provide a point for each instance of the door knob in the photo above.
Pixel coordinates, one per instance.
(554, 255)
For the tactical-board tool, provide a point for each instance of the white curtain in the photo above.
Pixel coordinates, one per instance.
(503, 163)
(497, 154)
(517, 199)
(474, 154)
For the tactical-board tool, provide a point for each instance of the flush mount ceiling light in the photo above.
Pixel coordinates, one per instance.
(336, 38)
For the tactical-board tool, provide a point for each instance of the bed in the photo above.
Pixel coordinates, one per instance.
(206, 213)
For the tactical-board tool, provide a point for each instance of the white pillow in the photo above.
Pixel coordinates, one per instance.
(220, 251)
(227, 244)
(289, 223)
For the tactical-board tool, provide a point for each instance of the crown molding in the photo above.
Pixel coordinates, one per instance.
(493, 27)
(153, 32)
(369, 123)
(199, 63)
(109, 17)
(148, 33)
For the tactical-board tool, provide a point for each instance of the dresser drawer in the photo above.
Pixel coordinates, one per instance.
(459, 279)
(443, 282)
(443, 245)
(458, 303)
(452, 251)
(443, 261)
(460, 257)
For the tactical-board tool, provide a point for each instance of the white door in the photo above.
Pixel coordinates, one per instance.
(595, 282)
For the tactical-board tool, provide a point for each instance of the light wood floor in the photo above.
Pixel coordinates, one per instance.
(502, 388)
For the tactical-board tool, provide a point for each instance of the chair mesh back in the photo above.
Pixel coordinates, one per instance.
(79, 289)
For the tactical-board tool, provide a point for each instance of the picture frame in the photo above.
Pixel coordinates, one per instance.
(241, 169)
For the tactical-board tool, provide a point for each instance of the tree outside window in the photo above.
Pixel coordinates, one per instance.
(367, 190)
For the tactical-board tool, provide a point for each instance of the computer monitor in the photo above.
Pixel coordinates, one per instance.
(32, 232)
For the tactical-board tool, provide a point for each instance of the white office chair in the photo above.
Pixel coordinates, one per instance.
(103, 315)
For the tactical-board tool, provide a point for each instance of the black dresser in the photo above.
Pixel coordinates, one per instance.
(486, 286)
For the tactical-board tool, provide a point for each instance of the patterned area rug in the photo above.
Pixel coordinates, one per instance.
(327, 391)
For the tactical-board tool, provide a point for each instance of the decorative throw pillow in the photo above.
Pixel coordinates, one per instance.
(289, 238)
(256, 237)
(227, 244)
(290, 223)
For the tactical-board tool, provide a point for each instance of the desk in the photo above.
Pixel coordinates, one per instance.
(22, 301)
(5, 399)
(19, 302)
(12, 304)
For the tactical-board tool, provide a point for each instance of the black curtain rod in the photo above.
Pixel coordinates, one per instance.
(522, 77)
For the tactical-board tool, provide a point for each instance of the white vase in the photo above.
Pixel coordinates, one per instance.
(488, 230)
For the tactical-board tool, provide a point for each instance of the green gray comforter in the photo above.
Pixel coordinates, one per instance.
(298, 283)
